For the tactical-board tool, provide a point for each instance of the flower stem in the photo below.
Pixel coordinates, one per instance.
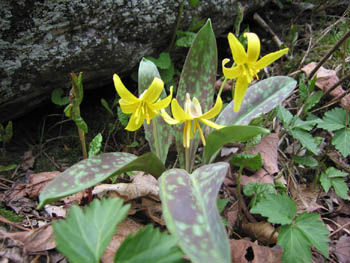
(155, 136)
(187, 159)
(222, 86)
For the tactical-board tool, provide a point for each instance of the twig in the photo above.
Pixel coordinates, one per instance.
(262, 23)
(308, 48)
(323, 60)
(4, 220)
(336, 85)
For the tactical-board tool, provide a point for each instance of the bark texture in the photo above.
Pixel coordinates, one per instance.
(42, 42)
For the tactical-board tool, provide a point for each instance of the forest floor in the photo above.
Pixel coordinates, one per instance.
(45, 143)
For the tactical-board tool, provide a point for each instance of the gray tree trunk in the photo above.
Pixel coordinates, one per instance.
(42, 42)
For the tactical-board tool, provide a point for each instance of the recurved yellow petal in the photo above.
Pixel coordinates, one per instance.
(211, 124)
(164, 102)
(253, 47)
(123, 92)
(213, 111)
(230, 73)
(154, 91)
(197, 125)
(127, 107)
(133, 125)
(269, 58)
(178, 113)
(167, 118)
(240, 89)
(238, 53)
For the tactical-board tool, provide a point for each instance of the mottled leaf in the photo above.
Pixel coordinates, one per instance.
(147, 72)
(197, 78)
(190, 211)
(234, 133)
(149, 245)
(96, 169)
(84, 236)
(95, 145)
(260, 98)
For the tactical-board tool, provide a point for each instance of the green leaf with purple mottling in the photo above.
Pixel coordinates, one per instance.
(197, 78)
(147, 72)
(234, 133)
(96, 169)
(191, 214)
(260, 98)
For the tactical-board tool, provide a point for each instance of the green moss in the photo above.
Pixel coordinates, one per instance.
(9, 215)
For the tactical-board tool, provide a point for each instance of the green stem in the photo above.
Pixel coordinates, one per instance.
(83, 142)
(155, 136)
(187, 159)
(222, 86)
(179, 17)
(239, 196)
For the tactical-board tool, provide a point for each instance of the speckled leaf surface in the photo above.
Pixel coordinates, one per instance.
(260, 98)
(234, 133)
(190, 211)
(147, 72)
(197, 78)
(96, 169)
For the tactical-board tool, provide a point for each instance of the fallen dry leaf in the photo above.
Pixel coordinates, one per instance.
(28, 160)
(342, 249)
(261, 231)
(305, 197)
(128, 226)
(153, 210)
(244, 251)
(55, 211)
(326, 78)
(38, 181)
(40, 239)
(142, 185)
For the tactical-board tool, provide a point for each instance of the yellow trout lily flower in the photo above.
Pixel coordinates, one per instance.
(191, 116)
(146, 107)
(247, 64)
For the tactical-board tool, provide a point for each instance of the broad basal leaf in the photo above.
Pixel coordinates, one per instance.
(191, 214)
(260, 98)
(279, 209)
(84, 236)
(149, 245)
(197, 78)
(234, 133)
(147, 72)
(91, 171)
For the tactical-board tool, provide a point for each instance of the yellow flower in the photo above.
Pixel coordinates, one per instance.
(191, 115)
(146, 107)
(247, 64)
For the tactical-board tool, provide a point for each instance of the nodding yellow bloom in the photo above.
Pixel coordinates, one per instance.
(191, 116)
(146, 107)
(247, 64)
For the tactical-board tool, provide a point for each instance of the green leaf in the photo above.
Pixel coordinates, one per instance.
(306, 160)
(96, 169)
(122, 117)
(58, 98)
(333, 120)
(78, 92)
(312, 100)
(260, 98)
(303, 89)
(149, 245)
(284, 115)
(221, 203)
(252, 161)
(95, 145)
(279, 209)
(8, 132)
(4, 168)
(106, 106)
(167, 74)
(307, 125)
(341, 141)
(295, 245)
(314, 230)
(258, 190)
(185, 38)
(147, 72)
(193, 3)
(234, 133)
(163, 61)
(191, 214)
(335, 178)
(305, 139)
(84, 236)
(197, 78)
